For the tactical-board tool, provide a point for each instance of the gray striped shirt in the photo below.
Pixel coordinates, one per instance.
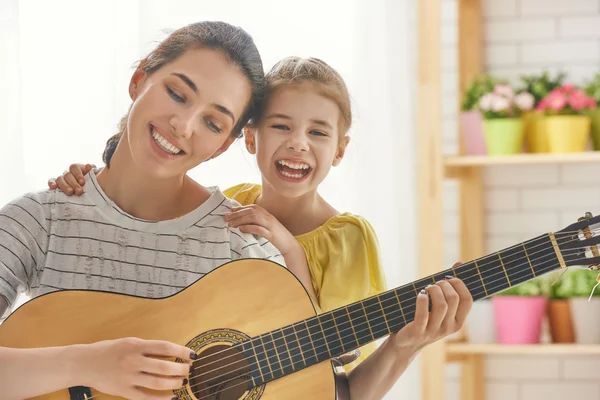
(49, 241)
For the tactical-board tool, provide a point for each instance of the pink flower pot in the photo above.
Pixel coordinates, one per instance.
(471, 131)
(519, 318)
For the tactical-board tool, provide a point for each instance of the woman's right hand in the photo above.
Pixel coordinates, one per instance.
(71, 181)
(128, 367)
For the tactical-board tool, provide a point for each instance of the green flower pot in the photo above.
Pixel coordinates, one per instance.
(504, 136)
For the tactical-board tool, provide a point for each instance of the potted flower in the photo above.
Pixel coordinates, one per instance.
(502, 125)
(519, 313)
(585, 310)
(567, 125)
(560, 320)
(471, 122)
(592, 89)
(539, 86)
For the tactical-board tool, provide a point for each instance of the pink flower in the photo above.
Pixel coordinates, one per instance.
(556, 101)
(578, 100)
(525, 101)
(542, 105)
(567, 88)
(500, 104)
(591, 103)
(504, 90)
(485, 102)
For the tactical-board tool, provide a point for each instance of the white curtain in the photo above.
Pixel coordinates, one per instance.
(66, 65)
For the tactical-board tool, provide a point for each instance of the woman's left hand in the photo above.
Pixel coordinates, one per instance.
(256, 220)
(451, 302)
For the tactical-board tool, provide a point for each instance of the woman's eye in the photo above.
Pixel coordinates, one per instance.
(212, 126)
(281, 127)
(318, 133)
(175, 96)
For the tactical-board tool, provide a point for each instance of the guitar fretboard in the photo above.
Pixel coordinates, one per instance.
(332, 334)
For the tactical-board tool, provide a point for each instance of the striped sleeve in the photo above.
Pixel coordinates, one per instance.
(244, 245)
(24, 233)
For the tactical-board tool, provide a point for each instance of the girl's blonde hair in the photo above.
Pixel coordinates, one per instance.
(326, 80)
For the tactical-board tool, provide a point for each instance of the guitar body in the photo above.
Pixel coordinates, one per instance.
(246, 297)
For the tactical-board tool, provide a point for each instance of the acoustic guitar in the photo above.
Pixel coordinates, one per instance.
(257, 332)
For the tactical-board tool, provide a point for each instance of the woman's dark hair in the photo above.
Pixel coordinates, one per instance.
(235, 43)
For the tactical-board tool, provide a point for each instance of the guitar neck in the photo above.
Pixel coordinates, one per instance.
(337, 332)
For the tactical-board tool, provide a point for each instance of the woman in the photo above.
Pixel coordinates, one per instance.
(143, 227)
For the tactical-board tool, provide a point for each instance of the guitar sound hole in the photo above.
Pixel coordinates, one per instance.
(221, 373)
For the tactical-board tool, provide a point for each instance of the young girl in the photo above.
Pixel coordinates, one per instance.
(142, 228)
(297, 137)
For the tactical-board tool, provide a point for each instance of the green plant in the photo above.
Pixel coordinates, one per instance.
(540, 85)
(479, 86)
(573, 283)
(592, 88)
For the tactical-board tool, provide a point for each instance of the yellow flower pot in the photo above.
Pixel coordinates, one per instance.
(536, 136)
(595, 117)
(568, 133)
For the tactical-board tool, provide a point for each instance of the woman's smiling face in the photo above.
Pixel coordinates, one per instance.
(184, 112)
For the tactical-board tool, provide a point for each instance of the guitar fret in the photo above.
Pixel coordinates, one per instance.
(351, 325)
(359, 323)
(383, 313)
(504, 268)
(256, 366)
(367, 319)
(528, 260)
(389, 303)
(306, 344)
(324, 336)
(334, 343)
(318, 339)
(297, 350)
(400, 306)
(276, 351)
(281, 350)
(287, 348)
(266, 356)
(482, 283)
(337, 329)
(311, 341)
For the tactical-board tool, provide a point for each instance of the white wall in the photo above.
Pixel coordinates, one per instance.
(522, 37)
(66, 66)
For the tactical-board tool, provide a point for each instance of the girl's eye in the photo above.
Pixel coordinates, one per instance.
(175, 96)
(281, 127)
(212, 126)
(318, 133)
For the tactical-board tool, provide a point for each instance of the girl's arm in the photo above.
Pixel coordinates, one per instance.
(375, 376)
(256, 220)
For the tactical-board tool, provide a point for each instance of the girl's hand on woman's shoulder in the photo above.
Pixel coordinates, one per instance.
(71, 181)
(256, 220)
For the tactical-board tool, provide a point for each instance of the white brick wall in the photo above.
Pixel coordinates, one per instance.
(523, 37)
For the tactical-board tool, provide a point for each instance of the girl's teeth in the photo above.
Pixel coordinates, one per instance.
(293, 165)
(296, 176)
(164, 143)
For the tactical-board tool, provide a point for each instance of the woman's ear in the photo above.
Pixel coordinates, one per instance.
(134, 84)
(341, 150)
(249, 139)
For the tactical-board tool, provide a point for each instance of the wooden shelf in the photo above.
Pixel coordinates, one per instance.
(453, 164)
(463, 349)
(525, 158)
